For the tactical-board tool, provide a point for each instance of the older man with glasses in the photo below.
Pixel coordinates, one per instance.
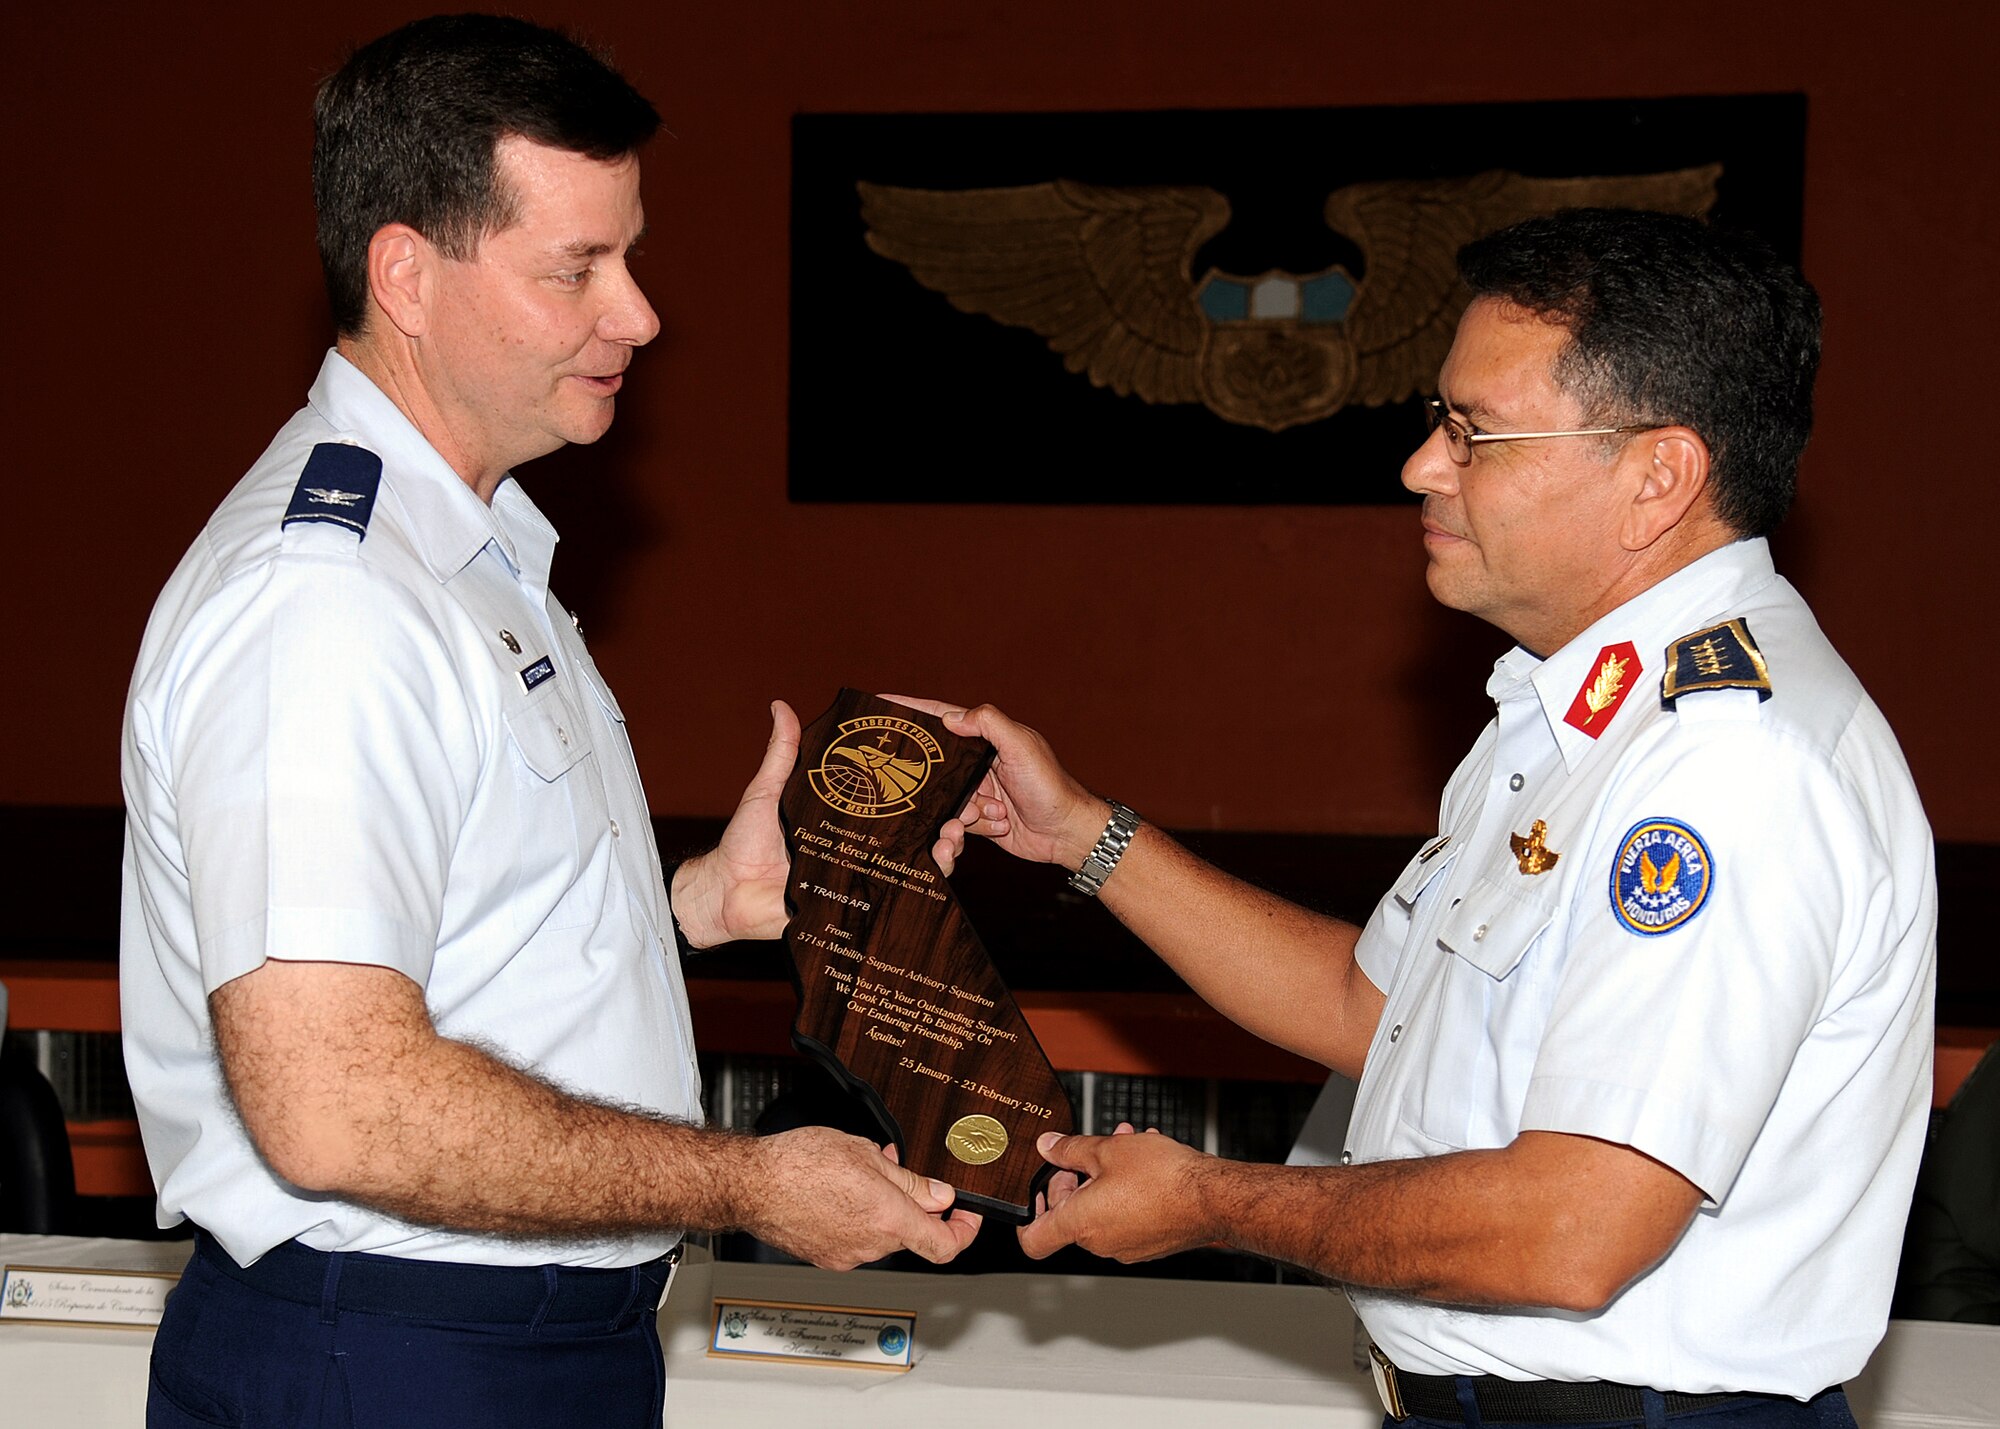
(1643, 1032)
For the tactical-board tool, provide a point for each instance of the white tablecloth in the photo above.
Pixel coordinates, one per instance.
(1026, 1349)
(992, 1349)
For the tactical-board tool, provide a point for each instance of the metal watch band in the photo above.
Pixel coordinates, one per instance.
(1111, 846)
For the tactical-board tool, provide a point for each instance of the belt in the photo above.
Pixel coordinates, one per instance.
(526, 1295)
(1504, 1401)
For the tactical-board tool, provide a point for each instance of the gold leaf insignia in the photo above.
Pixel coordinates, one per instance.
(1610, 680)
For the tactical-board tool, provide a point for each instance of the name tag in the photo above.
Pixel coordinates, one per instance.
(791, 1333)
(542, 669)
(55, 1295)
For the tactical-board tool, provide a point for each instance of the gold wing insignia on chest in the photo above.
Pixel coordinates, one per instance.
(1533, 853)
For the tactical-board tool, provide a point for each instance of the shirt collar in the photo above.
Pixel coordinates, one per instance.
(527, 534)
(448, 523)
(1693, 596)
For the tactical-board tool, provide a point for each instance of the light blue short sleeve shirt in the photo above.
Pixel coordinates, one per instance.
(385, 746)
(1706, 931)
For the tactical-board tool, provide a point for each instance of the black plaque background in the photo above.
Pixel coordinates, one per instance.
(897, 396)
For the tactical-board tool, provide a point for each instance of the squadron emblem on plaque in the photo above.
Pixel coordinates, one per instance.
(876, 767)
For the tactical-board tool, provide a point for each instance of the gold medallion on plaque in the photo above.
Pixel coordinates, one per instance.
(976, 1139)
(878, 769)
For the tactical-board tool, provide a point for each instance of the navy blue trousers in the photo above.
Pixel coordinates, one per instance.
(233, 1353)
(1824, 1411)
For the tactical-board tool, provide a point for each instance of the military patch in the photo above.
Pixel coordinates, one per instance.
(542, 669)
(1613, 675)
(1661, 877)
(1722, 657)
(338, 485)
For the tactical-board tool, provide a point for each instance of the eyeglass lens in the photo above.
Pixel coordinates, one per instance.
(1455, 436)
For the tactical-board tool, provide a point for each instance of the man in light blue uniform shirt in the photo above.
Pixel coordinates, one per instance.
(1643, 1033)
(402, 998)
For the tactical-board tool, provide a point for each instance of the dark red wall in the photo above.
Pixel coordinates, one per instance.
(1264, 669)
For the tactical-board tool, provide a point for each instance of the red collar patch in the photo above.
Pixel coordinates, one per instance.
(1612, 677)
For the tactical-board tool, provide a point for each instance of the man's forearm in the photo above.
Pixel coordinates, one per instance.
(440, 1132)
(347, 1089)
(1551, 1220)
(1557, 1221)
(1273, 968)
(477, 1145)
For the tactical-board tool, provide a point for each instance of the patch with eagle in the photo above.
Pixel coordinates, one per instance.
(1106, 275)
(1661, 877)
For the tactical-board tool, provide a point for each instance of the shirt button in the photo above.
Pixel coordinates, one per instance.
(1395, 1032)
(1515, 783)
(562, 734)
(614, 828)
(1479, 932)
(1347, 1158)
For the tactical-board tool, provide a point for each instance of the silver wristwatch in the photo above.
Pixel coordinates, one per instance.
(1111, 846)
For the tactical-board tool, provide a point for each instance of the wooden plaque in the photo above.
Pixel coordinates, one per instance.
(897, 996)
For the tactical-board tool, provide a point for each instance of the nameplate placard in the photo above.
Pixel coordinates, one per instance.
(60, 1295)
(841, 1335)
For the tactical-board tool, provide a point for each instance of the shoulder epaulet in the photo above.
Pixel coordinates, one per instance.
(1722, 657)
(338, 485)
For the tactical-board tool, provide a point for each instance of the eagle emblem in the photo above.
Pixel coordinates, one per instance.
(328, 496)
(877, 773)
(1533, 853)
(1106, 275)
(895, 776)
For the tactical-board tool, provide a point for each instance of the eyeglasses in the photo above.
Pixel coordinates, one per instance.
(1460, 437)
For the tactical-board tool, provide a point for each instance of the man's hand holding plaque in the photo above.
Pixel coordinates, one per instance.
(897, 996)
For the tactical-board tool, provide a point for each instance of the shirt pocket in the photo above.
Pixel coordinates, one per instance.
(549, 737)
(1384, 949)
(1431, 860)
(1486, 1020)
(620, 767)
(560, 815)
(1492, 928)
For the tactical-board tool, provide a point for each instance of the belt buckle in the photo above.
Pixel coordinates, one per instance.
(1386, 1387)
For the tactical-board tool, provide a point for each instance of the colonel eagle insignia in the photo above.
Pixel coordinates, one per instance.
(1106, 274)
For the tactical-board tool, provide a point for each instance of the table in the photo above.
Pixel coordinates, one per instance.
(53, 1376)
(991, 1349)
(1026, 1349)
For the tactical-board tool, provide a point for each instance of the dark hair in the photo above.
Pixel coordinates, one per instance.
(1673, 322)
(406, 133)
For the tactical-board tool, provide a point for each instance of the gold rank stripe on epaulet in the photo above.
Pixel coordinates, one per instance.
(1722, 657)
